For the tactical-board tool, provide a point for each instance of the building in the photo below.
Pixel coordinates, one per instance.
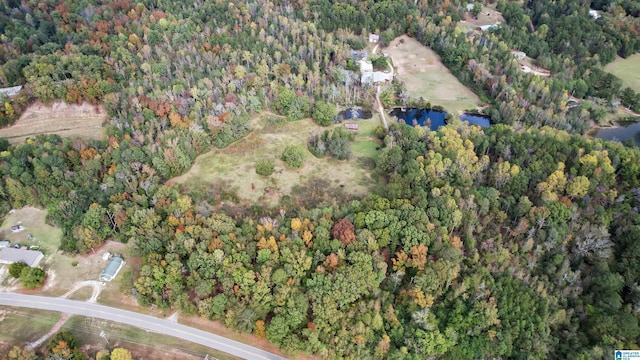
(368, 76)
(351, 126)
(359, 54)
(489, 27)
(594, 14)
(374, 38)
(10, 91)
(4, 243)
(30, 257)
(111, 270)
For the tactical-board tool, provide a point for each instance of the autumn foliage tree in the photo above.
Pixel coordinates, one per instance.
(344, 231)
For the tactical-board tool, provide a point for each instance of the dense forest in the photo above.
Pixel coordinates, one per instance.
(520, 240)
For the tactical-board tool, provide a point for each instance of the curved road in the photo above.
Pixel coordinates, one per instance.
(161, 326)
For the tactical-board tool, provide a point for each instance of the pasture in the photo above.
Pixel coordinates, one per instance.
(628, 70)
(425, 76)
(66, 120)
(232, 169)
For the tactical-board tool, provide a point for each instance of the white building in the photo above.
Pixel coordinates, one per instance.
(374, 38)
(10, 255)
(594, 14)
(11, 91)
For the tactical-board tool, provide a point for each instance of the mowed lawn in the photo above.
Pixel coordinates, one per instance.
(628, 70)
(19, 326)
(33, 220)
(233, 168)
(425, 76)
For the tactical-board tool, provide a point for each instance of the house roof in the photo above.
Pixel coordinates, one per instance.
(111, 270)
(4, 243)
(10, 255)
(11, 91)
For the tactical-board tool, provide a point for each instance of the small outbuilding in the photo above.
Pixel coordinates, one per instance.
(111, 270)
(374, 38)
(10, 91)
(10, 255)
(4, 243)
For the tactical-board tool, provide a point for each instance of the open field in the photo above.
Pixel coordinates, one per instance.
(62, 276)
(425, 76)
(488, 16)
(628, 70)
(19, 326)
(233, 168)
(67, 120)
(141, 343)
(33, 219)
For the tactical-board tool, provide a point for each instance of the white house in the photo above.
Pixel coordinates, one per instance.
(374, 38)
(10, 255)
(11, 91)
(594, 14)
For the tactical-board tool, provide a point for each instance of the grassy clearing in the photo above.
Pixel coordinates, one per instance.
(66, 120)
(33, 219)
(365, 148)
(233, 168)
(141, 343)
(628, 70)
(19, 326)
(425, 76)
(488, 16)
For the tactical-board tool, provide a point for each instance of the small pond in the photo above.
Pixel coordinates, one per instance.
(621, 132)
(354, 114)
(423, 117)
(474, 119)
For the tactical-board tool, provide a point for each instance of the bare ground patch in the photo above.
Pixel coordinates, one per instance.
(488, 16)
(67, 120)
(425, 76)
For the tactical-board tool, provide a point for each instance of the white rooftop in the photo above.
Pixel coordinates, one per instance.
(11, 91)
(10, 255)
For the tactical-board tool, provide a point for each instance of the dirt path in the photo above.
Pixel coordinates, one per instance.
(97, 288)
(63, 319)
(381, 108)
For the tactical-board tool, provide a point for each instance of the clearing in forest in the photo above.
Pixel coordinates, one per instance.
(231, 171)
(425, 76)
(488, 16)
(35, 230)
(628, 70)
(66, 120)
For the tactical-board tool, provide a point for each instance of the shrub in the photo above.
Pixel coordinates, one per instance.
(340, 148)
(31, 278)
(324, 113)
(264, 168)
(74, 263)
(15, 269)
(293, 156)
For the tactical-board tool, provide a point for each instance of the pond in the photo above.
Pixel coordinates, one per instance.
(474, 119)
(621, 132)
(354, 114)
(423, 117)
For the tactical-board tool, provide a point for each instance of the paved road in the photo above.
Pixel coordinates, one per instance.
(161, 326)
